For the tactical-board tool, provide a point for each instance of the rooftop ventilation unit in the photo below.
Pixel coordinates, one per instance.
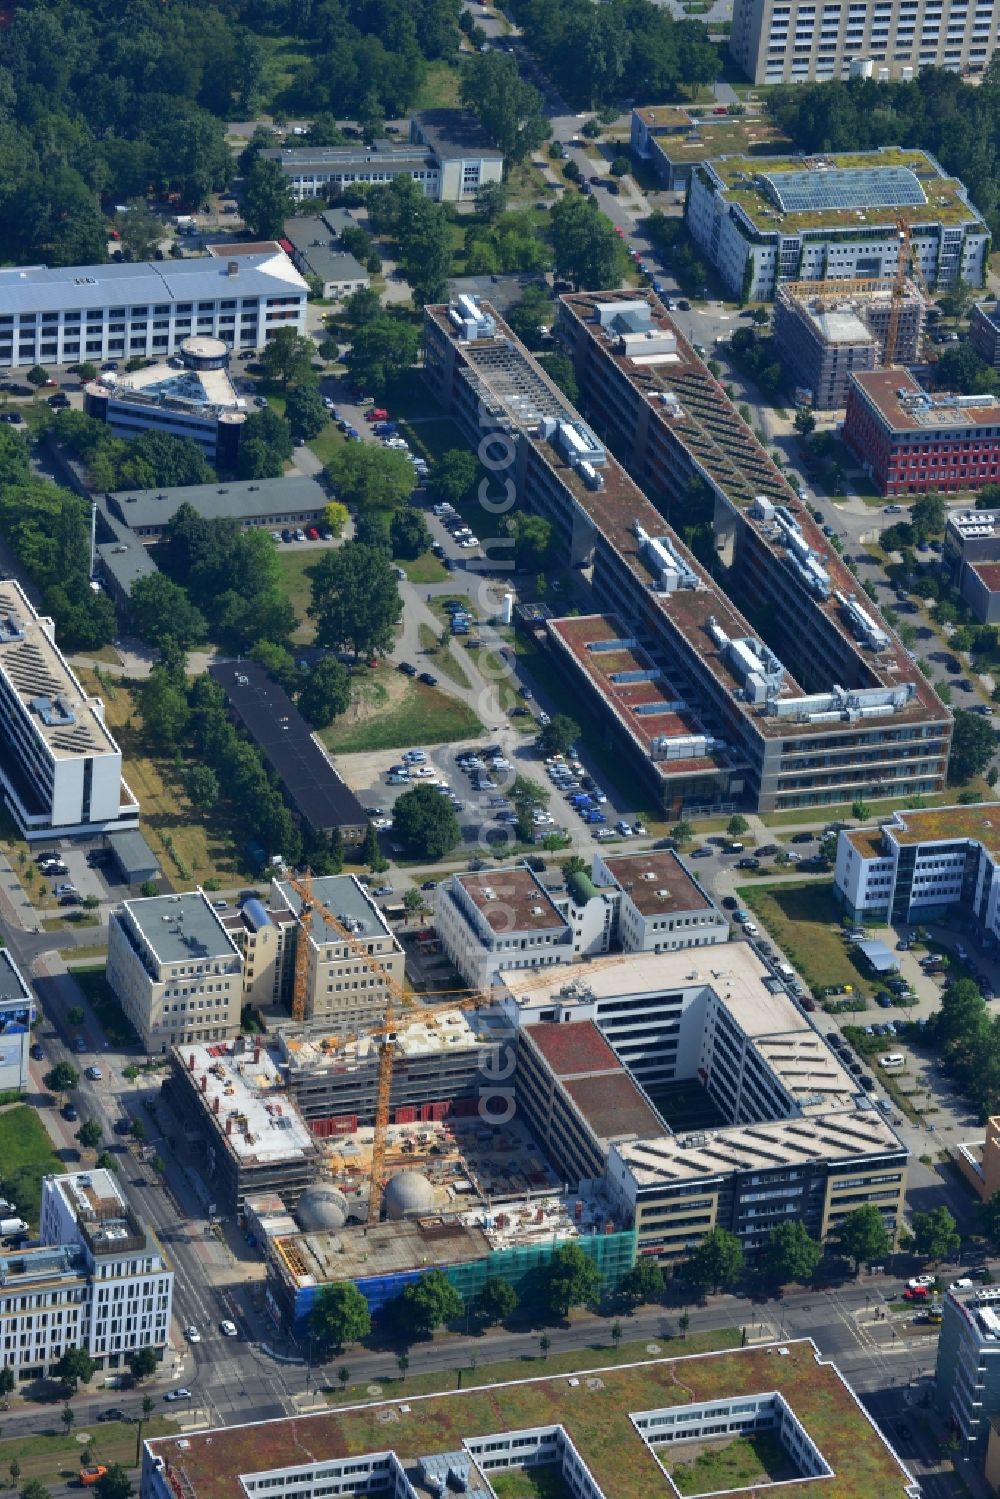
(10, 629)
(660, 554)
(471, 322)
(862, 623)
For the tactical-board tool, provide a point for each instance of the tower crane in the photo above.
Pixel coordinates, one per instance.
(898, 288)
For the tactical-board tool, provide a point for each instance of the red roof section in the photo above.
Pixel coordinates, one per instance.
(575, 1048)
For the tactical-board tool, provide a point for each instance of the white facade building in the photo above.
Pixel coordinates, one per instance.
(16, 1011)
(762, 221)
(60, 769)
(506, 919)
(64, 314)
(98, 1280)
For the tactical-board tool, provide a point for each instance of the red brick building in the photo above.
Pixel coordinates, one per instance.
(910, 441)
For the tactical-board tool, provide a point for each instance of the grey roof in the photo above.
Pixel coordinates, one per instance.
(241, 499)
(12, 985)
(385, 153)
(346, 899)
(453, 133)
(878, 956)
(312, 238)
(338, 219)
(133, 855)
(180, 927)
(39, 288)
(126, 563)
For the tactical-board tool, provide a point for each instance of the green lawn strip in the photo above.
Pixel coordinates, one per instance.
(295, 569)
(595, 1356)
(805, 922)
(425, 569)
(27, 1155)
(544, 1481)
(431, 438)
(97, 991)
(439, 89)
(329, 441)
(441, 658)
(818, 816)
(53, 1457)
(425, 715)
(735, 1465)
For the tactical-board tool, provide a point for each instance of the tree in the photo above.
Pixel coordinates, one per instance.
(683, 1323)
(149, 888)
(989, 1217)
(587, 251)
(370, 477)
(863, 1236)
(339, 1316)
(558, 734)
(335, 516)
(364, 305)
(718, 1260)
(560, 368)
(35, 1489)
(68, 1417)
(737, 826)
(644, 1282)
(139, 230)
(491, 201)
(544, 1344)
(497, 1299)
(74, 1365)
(927, 515)
(62, 1079)
(305, 412)
(511, 112)
(202, 786)
(7, 1380)
(265, 446)
(371, 854)
(973, 745)
(137, 1130)
(115, 1484)
(425, 823)
(402, 1362)
(267, 199)
(288, 357)
(571, 1279)
(936, 1235)
(14, 1469)
(860, 810)
(164, 709)
(344, 1375)
(414, 900)
(355, 601)
(453, 476)
(76, 1014)
(805, 422)
(37, 375)
(408, 533)
(790, 1253)
(429, 1303)
(143, 1363)
(326, 692)
(682, 832)
(89, 1134)
(621, 166)
(381, 350)
(159, 609)
(533, 537)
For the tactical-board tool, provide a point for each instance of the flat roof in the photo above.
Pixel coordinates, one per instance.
(196, 391)
(66, 720)
(868, 842)
(512, 900)
(428, 1035)
(381, 153)
(574, 1050)
(39, 288)
(657, 883)
(181, 927)
(132, 854)
(267, 713)
(245, 1099)
(12, 985)
(347, 898)
(904, 406)
(614, 1106)
(126, 562)
(316, 1259)
(595, 1408)
(722, 136)
(988, 574)
(239, 499)
(90, 1193)
(978, 824)
(837, 190)
(877, 955)
(455, 133)
(664, 116)
(969, 524)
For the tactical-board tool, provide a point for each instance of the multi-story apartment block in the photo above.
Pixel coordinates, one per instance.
(175, 970)
(16, 1012)
(98, 1279)
(825, 218)
(984, 331)
(448, 156)
(972, 560)
(60, 768)
(790, 41)
(824, 337)
(64, 314)
(923, 865)
(827, 702)
(967, 1371)
(910, 441)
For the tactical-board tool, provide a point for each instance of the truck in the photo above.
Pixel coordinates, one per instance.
(11, 1226)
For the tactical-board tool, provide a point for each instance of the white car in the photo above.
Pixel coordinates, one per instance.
(228, 1329)
(921, 1282)
(381, 822)
(415, 756)
(95, 1074)
(192, 1334)
(424, 773)
(965, 1283)
(544, 720)
(181, 1394)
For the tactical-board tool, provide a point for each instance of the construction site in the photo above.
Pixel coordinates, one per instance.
(825, 332)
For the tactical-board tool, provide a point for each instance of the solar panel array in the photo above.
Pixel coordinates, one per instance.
(846, 187)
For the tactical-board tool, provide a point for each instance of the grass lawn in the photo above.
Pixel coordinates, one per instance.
(439, 89)
(425, 569)
(109, 1012)
(758, 1459)
(54, 1458)
(441, 658)
(432, 437)
(525, 182)
(391, 711)
(329, 442)
(805, 921)
(543, 1482)
(295, 568)
(27, 1156)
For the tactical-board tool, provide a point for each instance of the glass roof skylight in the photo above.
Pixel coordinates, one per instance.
(846, 187)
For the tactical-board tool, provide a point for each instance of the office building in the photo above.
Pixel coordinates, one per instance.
(242, 1135)
(824, 337)
(676, 142)
(447, 155)
(175, 970)
(967, 1371)
(984, 331)
(311, 242)
(97, 1279)
(925, 865)
(16, 1012)
(191, 396)
(793, 42)
(603, 1434)
(293, 502)
(909, 441)
(972, 560)
(659, 904)
(124, 310)
(827, 702)
(824, 218)
(317, 795)
(60, 768)
(505, 919)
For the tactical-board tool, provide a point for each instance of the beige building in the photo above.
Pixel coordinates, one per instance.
(789, 41)
(175, 970)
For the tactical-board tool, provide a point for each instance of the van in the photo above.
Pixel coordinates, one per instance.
(750, 928)
(892, 1061)
(734, 848)
(786, 970)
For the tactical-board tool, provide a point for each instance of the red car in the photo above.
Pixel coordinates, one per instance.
(916, 1293)
(619, 231)
(312, 533)
(377, 414)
